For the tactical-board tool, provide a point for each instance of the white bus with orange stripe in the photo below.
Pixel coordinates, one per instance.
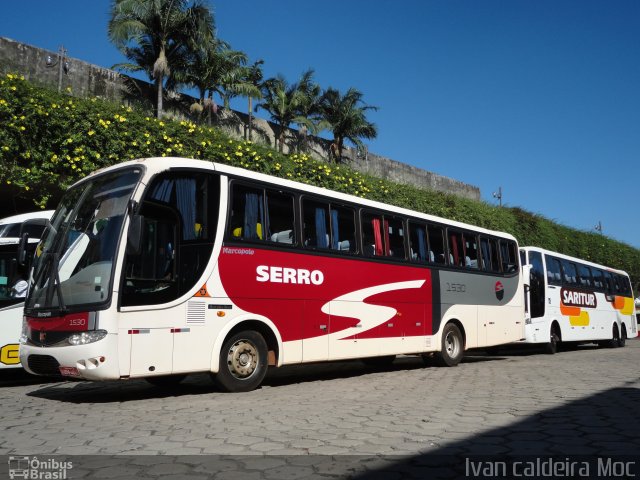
(573, 300)
(162, 267)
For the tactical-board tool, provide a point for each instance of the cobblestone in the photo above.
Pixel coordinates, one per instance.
(334, 420)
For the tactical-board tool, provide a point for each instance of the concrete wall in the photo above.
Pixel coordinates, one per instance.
(86, 80)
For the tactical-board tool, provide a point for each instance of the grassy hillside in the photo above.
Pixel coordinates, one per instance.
(49, 140)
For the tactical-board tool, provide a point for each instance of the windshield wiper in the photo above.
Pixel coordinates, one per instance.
(52, 262)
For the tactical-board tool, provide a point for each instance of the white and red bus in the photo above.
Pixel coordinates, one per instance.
(161, 267)
(573, 300)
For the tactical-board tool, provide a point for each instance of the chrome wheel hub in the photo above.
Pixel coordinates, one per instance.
(242, 359)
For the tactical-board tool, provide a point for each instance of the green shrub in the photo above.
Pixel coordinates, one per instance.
(50, 140)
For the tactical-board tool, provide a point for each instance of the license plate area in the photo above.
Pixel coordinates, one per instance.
(69, 371)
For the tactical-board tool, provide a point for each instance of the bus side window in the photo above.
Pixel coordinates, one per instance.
(343, 229)
(608, 283)
(394, 237)
(570, 272)
(315, 219)
(328, 226)
(489, 252)
(247, 213)
(554, 271)
(280, 217)
(586, 279)
(418, 244)
(471, 250)
(372, 235)
(382, 236)
(456, 248)
(509, 256)
(598, 280)
(616, 284)
(436, 244)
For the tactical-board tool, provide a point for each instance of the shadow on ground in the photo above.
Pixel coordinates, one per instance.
(593, 437)
(134, 390)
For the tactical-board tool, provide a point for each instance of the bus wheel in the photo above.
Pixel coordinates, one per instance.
(379, 362)
(243, 362)
(554, 341)
(452, 347)
(615, 338)
(165, 381)
(623, 338)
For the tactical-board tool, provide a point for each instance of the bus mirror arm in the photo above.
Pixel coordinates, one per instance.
(22, 249)
(134, 239)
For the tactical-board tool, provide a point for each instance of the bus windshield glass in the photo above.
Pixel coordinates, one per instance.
(75, 264)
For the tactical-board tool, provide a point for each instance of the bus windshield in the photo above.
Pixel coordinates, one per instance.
(75, 265)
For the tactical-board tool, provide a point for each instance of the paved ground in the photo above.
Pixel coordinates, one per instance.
(337, 420)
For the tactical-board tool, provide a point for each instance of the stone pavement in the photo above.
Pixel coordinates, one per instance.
(337, 420)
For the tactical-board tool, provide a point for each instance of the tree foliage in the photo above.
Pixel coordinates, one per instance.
(346, 117)
(159, 37)
(50, 140)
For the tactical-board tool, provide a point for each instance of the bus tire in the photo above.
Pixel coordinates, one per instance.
(166, 381)
(615, 337)
(452, 347)
(623, 337)
(243, 362)
(554, 341)
(379, 362)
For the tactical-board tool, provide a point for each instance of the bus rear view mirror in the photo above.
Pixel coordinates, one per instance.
(134, 239)
(32, 227)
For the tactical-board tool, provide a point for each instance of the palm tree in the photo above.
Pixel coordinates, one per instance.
(250, 86)
(309, 117)
(346, 116)
(213, 68)
(283, 101)
(158, 36)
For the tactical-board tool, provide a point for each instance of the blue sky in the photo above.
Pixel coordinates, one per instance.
(541, 98)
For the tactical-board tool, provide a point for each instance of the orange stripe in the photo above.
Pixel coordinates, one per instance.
(569, 311)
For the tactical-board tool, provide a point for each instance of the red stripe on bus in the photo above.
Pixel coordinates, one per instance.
(73, 322)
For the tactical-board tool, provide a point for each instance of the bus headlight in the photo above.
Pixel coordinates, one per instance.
(86, 337)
